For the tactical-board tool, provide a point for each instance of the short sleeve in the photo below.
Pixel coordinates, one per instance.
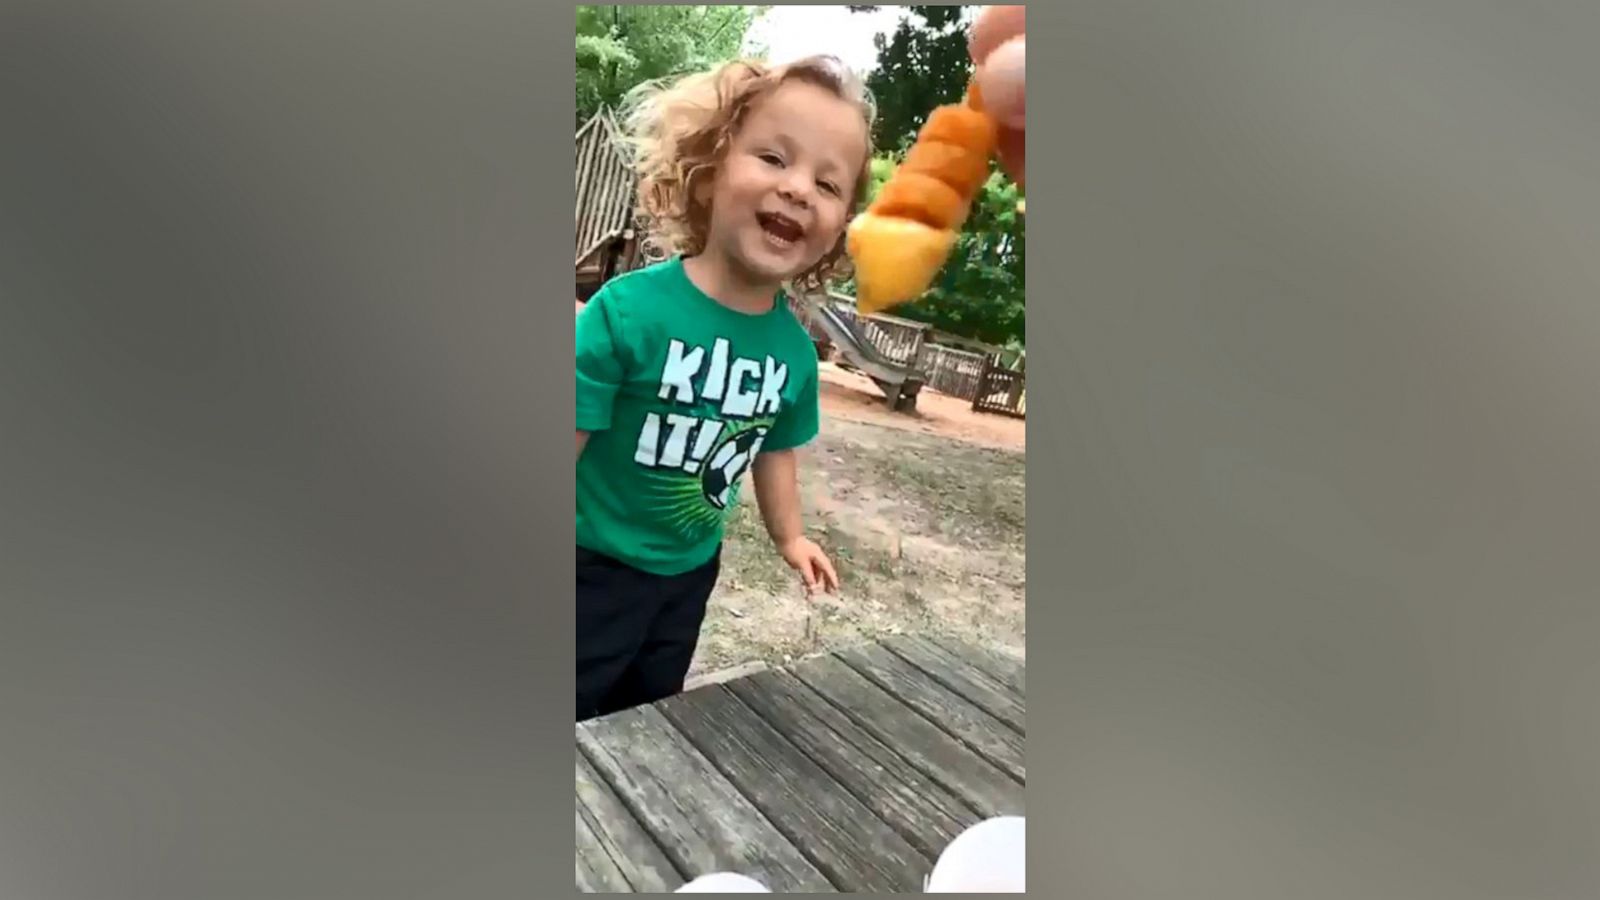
(600, 358)
(797, 423)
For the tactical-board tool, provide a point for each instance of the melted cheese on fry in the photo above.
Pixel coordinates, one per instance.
(895, 259)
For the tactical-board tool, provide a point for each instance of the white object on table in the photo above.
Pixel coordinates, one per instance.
(723, 883)
(991, 857)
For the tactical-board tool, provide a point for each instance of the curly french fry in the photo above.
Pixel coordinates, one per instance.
(904, 237)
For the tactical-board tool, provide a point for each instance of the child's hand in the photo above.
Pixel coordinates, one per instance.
(804, 556)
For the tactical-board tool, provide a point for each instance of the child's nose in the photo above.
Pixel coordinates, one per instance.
(797, 190)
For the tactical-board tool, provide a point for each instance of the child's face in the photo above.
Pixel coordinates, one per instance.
(782, 194)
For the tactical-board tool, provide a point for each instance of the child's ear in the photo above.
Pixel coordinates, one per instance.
(701, 188)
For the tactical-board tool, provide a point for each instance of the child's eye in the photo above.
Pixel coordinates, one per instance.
(830, 187)
(771, 159)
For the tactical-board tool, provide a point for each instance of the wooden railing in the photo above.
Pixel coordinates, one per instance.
(899, 341)
(1001, 390)
(952, 372)
(964, 374)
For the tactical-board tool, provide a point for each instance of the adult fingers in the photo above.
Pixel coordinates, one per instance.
(994, 26)
(1001, 80)
(1012, 146)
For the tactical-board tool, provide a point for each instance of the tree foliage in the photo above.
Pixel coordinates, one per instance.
(922, 65)
(621, 47)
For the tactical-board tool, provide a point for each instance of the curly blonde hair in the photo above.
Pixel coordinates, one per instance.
(679, 132)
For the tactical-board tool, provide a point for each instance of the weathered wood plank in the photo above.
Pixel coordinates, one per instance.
(859, 852)
(698, 817)
(722, 676)
(597, 872)
(974, 727)
(620, 837)
(1004, 668)
(961, 676)
(927, 815)
(949, 762)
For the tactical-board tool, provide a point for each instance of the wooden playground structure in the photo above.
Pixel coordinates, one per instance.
(609, 232)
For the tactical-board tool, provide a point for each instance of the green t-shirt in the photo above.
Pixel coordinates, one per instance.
(680, 393)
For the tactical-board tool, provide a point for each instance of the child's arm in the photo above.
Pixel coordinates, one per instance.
(778, 494)
(601, 366)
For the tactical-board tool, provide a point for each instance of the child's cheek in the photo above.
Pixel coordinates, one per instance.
(829, 235)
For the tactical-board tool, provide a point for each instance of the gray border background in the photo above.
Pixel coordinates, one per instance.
(284, 508)
(285, 536)
(1314, 504)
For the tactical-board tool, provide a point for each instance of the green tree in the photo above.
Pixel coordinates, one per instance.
(620, 47)
(922, 65)
(980, 292)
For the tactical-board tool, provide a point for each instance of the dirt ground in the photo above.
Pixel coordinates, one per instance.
(847, 395)
(924, 518)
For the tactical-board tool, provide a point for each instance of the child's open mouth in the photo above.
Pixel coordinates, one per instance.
(781, 229)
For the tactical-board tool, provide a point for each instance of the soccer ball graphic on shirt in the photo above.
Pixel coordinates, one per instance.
(728, 462)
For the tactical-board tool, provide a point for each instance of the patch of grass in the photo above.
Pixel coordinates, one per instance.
(957, 511)
(970, 493)
(1004, 502)
(748, 557)
(861, 563)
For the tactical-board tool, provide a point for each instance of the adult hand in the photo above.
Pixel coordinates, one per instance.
(998, 45)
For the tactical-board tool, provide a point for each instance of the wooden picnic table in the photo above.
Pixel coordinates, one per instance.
(845, 773)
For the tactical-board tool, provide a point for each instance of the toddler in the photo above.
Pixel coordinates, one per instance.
(693, 371)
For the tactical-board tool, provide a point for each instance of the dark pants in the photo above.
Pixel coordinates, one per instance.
(636, 631)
